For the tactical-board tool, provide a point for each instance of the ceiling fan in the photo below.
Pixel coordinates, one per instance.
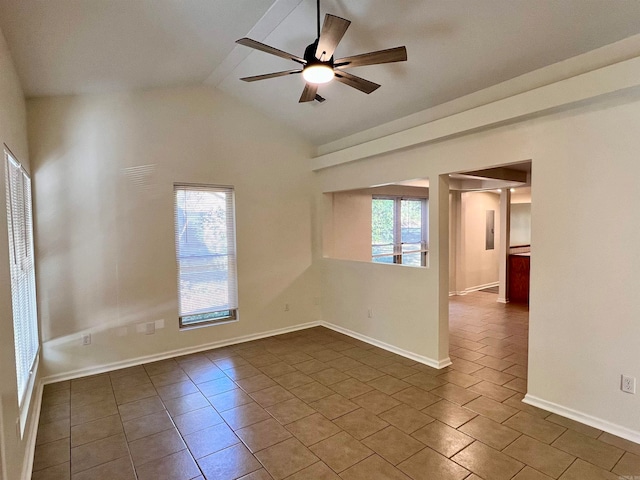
(318, 64)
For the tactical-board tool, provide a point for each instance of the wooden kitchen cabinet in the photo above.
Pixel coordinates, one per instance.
(519, 268)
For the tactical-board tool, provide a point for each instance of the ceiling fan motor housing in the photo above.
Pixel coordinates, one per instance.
(310, 56)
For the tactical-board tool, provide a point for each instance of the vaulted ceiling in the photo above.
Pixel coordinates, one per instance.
(455, 47)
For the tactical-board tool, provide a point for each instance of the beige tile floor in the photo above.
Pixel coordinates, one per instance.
(316, 404)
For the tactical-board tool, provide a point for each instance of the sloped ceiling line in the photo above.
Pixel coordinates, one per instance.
(455, 48)
(276, 14)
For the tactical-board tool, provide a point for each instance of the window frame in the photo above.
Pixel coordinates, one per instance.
(22, 278)
(211, 317)
(397, 244)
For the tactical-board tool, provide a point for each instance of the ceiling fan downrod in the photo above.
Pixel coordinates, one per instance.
(318, 10)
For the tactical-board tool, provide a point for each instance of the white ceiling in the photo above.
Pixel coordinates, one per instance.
(455, 47)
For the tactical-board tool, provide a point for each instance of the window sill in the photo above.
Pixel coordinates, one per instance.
(196, 326)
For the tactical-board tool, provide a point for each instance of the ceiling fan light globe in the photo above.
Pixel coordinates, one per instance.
(318, 74)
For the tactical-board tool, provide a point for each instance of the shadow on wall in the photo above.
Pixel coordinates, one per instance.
(152, 333)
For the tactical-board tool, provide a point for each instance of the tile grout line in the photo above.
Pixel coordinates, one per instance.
(250, 352)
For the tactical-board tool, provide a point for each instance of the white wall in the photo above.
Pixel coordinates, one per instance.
(13, 133)
(104, 169)
(583, 313)
(520, 224)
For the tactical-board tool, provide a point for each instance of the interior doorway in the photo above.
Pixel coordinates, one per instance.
(488, 333)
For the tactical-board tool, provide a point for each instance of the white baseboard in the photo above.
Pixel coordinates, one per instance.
(391, 348)
(83, 372)
(33, 427)
(595, 422)
(480, 287)
(474, 289)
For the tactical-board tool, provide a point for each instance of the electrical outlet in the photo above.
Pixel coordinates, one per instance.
(150, 328)
(86, 339)
(370, 313)
(286, 307)
(628, 384)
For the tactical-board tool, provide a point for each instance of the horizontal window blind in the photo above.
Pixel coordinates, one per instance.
(206, 253)
(23, 290)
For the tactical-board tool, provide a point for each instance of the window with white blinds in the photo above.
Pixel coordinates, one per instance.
(23, 289)
(206, 254)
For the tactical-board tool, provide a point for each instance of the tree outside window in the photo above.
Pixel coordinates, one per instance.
(399, 230)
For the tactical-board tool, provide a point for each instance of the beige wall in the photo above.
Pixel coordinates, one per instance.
(399, 298)
(583, 335)
(347, 220)
(521, 195)
(104, 169)
(13, 133)
(395, 294)
(471, 265)
(479, 264)
(104, 237)
(351, 230)
(347, 244)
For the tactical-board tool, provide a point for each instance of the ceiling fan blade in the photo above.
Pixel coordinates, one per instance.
(309, 93)
(356, 82)
(332, 32)
(247, 42)
(320, 99)
(255, 78)
(397, 54)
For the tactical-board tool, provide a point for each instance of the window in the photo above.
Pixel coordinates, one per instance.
(399, 230)
(23, 288)
(206, 254)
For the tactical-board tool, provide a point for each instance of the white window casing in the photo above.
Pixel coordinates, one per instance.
(206, 254)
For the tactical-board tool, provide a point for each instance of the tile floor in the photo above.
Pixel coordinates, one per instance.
(316, 404)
